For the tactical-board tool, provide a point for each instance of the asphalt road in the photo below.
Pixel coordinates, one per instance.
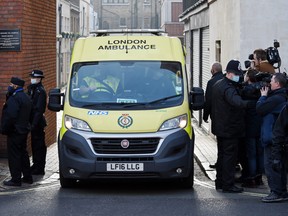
(123, 198)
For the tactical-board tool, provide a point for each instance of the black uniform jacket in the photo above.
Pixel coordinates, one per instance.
(228, 109)
(15, 114)
(38, 96)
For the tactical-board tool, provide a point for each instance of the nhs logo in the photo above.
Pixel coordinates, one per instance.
(97, 112)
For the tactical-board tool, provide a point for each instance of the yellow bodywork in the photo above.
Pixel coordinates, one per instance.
(123, 48)
(128, 48)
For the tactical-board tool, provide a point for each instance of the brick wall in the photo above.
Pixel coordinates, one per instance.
(37, 21)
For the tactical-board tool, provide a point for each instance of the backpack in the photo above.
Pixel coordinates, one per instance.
(273, 56)
(268, 122)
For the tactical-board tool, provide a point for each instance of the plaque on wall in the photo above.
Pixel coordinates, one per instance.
(10, 40)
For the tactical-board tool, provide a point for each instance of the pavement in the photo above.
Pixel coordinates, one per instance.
(51, 169)
(205, 153)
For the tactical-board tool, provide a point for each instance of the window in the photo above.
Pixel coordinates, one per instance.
(115, 1)
(218, 50)
(146, 22)
(123, 22)
(147, 2)
(144, 84)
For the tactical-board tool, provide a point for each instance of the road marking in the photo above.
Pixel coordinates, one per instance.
(210, 186)
(36, 188)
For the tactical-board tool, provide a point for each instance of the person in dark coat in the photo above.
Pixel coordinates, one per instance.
(15, 125)
(253, 150)
(217, 74)
(38, 122)
(269, 105)
(280, 146)
(280, 140)
(228, 125)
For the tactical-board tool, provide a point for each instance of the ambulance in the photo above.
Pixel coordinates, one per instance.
(127, 109)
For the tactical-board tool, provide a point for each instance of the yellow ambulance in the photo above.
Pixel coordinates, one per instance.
(127, 109)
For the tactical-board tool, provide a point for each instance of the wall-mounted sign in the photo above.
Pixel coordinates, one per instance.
(10, 40)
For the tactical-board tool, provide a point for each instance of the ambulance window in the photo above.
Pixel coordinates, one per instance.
(122, 82)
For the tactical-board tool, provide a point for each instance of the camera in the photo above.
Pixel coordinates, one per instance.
(252, 90)
(262, 80)
(272, 56)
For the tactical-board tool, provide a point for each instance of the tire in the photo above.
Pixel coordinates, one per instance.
(66, 182)
(188, 182)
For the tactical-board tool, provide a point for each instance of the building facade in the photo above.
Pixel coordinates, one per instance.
(75, 18)
(131, 14)
(221, 30)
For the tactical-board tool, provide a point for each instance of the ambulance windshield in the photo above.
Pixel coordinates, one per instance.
(121, 83)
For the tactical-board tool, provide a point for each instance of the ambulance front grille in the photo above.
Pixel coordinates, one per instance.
(136, 145)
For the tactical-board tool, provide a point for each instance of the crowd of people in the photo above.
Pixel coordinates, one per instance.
(22, 113)
(249, 120)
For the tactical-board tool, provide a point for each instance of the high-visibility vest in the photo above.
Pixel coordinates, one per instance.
(111, 81)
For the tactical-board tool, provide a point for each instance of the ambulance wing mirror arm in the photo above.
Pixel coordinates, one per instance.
(55, 101)
(196, 98)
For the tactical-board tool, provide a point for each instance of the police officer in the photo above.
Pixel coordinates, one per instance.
(227, 118)
(15, 124)
(38, 123)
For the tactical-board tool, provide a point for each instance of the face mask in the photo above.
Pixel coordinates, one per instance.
(10, 89)
(33, 81)
(236, 78)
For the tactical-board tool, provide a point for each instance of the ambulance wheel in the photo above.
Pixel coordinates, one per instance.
(67, 183)
(188, 182)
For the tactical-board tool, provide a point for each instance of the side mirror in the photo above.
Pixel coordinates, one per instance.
(55, 100)
(197, 98)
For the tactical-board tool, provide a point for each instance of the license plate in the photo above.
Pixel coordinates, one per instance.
(130, 167)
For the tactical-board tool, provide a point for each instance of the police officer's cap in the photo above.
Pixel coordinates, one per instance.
(234, 66)
(37, 74)
(17, 81)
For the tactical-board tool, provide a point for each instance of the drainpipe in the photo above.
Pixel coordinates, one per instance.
(83, 21)
(60, 44)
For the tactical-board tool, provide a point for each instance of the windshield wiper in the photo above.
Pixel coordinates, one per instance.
(105, 105)
(133, 104)
(150, 103)
(128, 105)
(164, 99)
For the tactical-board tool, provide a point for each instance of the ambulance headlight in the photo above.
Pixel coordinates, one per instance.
(73, 123)
(177, 122)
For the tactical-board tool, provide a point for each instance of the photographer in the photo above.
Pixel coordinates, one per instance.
(268, 107)
(261, 63)
(252, 152)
